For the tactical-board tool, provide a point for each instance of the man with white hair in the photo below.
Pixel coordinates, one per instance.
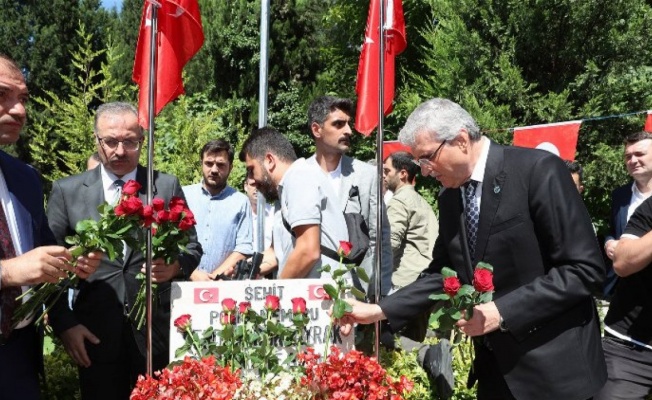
(518, 210)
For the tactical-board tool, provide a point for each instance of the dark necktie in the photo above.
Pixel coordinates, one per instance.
(7, 294)
(472, 215)
(119, 183)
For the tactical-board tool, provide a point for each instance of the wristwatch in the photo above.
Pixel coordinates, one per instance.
(502, 326)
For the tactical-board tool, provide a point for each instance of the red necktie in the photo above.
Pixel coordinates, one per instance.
(7, 294)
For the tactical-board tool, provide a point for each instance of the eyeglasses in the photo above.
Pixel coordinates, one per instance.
(425, 161)
(128, 145)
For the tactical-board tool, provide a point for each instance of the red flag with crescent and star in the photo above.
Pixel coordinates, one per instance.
(180, 36)
(559, 138)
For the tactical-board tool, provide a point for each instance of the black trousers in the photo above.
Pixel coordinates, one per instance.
(629, 370)
(20, 363)
(116, 379)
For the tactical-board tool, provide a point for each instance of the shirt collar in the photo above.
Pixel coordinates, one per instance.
(108, 177)
(481, 165)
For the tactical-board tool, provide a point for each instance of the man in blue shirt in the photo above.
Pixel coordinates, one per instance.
(224, 221)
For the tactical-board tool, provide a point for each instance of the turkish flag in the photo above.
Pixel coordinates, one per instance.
(648, 122)
(180, 36)
(559, 138)
(392, 146)
(368, 82)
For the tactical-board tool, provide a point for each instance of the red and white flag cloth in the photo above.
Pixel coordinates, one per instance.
(180, 38)
(648, 122)
(368, 82)
(392, 146)
(559, 138)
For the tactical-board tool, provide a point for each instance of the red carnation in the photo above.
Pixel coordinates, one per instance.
(244, 307)
(131, 187)
(227, 318)
(228, 305)
(147, 215)
(483, 280)
(177, 203)
(162, 216)
(158, 204)
(131, 206)
(188, 220)
(272, 303)
(298, 305)
(345, 248)
(183, 322)
(452, 285)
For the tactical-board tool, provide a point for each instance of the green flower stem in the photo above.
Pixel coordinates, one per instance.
(195, 345)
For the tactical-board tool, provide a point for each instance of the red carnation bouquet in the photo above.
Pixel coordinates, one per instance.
(460, 299)
(115, 227)
(170, 235)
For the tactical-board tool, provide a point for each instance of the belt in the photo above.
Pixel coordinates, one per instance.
(625, 342)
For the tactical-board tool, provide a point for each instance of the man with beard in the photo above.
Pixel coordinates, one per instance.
(224, 222)
(97, 332)
(309, 218)
(413, 223)
(354, 182)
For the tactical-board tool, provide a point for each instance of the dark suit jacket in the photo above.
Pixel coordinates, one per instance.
(100, 303)
(620, 199)
(26, 191)
(537, 234)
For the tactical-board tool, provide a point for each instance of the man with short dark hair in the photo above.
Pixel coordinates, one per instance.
(412, 221)
(577, 173)
(517, 210)
(329, 124)
(27, 247)
(308, 219)
(223, 214)
(626, 198)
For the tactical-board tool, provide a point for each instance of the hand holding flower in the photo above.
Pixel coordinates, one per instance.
(486, 318)
(162, 272)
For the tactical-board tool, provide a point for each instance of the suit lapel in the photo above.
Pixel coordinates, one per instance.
(493, 183)
(94, 193)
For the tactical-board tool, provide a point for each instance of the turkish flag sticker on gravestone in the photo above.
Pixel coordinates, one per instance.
(559, 138)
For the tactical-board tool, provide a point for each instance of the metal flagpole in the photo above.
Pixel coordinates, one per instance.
(150, 174)
(262, 112)
(379, 166)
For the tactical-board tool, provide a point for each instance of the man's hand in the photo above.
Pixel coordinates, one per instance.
(362, 313)
(74, 342)
(486, 318)
(610, 248)
(43, 264)
(87, 265)
(162, 272)
(199, 276)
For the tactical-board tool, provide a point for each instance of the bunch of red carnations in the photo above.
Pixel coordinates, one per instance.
(191, 379)
(350, 376)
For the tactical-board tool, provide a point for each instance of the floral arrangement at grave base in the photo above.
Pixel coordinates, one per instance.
(117, 225)
(261, 374)
(170, 236)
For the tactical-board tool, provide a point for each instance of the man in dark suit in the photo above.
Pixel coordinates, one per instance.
(626, 198)
(23, 228)
(97, 332)
(539, 338)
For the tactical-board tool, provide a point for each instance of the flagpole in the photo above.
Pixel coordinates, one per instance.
(379, 168)
(262, 112)
(150, 178)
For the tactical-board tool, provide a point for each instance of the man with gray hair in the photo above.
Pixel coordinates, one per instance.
(518, 210)
(97, 332)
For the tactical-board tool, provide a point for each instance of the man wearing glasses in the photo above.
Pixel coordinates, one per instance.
(97, 332)
(518, 210)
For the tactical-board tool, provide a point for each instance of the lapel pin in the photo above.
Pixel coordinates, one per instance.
(496, 189)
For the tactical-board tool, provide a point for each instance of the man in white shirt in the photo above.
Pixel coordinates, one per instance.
(309, 219)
